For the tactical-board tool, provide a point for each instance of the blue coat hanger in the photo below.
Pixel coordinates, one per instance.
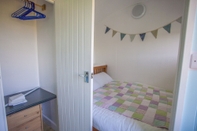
(25, 8)
(23, 13)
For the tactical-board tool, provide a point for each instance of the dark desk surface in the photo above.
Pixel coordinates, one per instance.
(35, 98)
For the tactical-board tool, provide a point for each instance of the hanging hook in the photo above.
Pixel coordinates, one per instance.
(42, 6)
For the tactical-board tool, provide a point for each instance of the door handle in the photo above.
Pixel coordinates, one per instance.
(85, 76)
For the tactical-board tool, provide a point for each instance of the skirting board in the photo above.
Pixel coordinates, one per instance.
(49, 122)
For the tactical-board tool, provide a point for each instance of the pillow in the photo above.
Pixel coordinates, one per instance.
(95, 85)
(100, 79)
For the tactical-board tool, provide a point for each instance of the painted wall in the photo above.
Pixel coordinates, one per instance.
(46, 49)
(190, 107)
(47, 62)
(152, 61)
(18, 50)
(27, 54)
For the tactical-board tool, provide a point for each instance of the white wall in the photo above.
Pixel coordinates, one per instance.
(18, 50)
(47, 62)
(152, 61)
(46, 49)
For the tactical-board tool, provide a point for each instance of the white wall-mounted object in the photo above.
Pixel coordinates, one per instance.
(193, 63)
(138, 11)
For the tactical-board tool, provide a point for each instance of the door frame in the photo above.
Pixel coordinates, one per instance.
(3, 123)
(182, 72)
(186, 38)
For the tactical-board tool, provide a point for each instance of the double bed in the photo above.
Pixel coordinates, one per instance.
(125, 106)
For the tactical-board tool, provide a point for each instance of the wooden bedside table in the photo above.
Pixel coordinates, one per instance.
(28, 116)
(27, 120)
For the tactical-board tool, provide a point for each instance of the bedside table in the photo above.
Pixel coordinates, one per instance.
(28, 116)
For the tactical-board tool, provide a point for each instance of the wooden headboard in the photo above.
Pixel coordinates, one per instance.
(99, 69)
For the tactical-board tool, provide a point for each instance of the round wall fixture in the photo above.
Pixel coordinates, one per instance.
(138, 11)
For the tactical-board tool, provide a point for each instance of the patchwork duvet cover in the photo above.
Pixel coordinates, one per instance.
(144, 103)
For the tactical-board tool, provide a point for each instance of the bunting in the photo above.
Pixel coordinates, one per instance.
(142, 35)
(107, 29)
(154, 32)
(114, 32)
(132, 37)
(179, 20)
(167, 27)
(122, 36)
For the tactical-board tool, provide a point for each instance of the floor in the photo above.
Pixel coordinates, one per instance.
(47, 128)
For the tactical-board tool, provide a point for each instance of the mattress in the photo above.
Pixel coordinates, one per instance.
(109, 115)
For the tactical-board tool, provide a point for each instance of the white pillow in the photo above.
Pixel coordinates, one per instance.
(100, 79)
(95, 85)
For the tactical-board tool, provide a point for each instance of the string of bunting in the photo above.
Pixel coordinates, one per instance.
(142, 35)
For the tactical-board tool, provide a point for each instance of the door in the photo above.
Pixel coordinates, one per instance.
(181, 84)
(74, 44)
(3, 121)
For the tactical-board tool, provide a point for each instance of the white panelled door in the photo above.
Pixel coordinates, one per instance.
(74, 47)
(3, 121)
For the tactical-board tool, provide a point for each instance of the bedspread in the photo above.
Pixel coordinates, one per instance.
(148, 104)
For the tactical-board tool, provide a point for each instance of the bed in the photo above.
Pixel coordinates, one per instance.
(124, 106)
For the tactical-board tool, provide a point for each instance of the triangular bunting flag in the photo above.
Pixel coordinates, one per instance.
(132, 37)
(179, 20)
(154, 32)
(107, 29)
(114, 32)
(122, 36)
(142, 36)
(167, 27)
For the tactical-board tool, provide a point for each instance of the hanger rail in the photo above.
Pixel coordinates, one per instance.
(43, 7)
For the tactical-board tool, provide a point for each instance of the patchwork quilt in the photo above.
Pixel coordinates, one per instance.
(148, 104)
